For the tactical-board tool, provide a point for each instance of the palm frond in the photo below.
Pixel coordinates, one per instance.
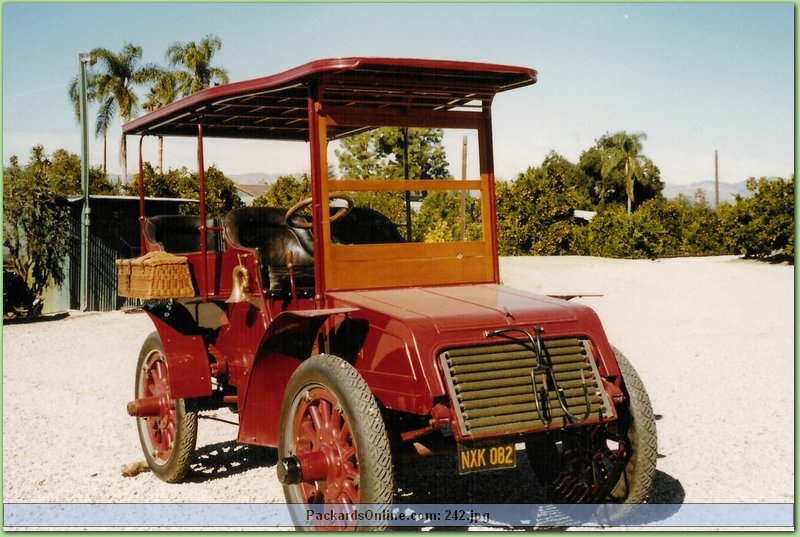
(105, 115)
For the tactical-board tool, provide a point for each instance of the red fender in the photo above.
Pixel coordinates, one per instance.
(288, 341)
(185, 352)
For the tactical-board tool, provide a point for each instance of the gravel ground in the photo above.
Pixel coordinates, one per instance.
(712, 339)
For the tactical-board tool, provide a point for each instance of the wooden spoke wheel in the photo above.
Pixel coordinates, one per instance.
(609, 463)
(168, 439)
(333, 445)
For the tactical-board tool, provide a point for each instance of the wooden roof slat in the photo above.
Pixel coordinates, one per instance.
(276, 106)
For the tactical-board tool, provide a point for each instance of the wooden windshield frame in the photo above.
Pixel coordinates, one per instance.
(372, 266)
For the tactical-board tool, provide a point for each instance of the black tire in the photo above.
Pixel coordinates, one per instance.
(168, 440)
(641, 468)
(329, 410)
(612, 463)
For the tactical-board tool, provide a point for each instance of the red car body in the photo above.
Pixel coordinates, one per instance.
(399, 311)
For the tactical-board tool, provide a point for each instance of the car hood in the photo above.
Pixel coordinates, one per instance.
(464, 307)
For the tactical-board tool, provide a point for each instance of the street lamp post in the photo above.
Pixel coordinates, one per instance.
(84, 58)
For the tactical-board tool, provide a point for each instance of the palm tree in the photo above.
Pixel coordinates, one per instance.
(105, 115)
(74, 97)
(195, 58)
(624, 150)
(113, 87)
(163, 92)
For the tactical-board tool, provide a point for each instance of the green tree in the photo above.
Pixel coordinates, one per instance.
(624, 151)
(611, 233)
(164, 91)
(536, 211)
(701, 228)
(221, 195)
(195, 60)
(285, 192)
(652, 231)
(381, 154)
(61, 173)
(618, 172)
(763, 224)
(160, 184)
(112, 85)
(659, 225)
(392, 153)
(439, 218)
(34, 231)
(657, 228)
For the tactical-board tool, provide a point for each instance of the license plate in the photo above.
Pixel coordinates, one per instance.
(477, 459)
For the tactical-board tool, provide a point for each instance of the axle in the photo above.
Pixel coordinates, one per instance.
(144, 407)
(305, 468)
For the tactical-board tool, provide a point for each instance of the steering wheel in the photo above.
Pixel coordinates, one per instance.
(302, 223)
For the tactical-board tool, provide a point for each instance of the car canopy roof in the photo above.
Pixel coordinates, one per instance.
(276, 107)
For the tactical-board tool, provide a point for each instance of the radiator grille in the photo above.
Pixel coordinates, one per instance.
(493, 392)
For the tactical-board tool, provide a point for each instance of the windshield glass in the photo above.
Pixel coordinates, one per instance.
(420, 209)
(401, 181)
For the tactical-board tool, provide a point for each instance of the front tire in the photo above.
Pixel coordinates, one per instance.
(331, 421)
(168, 440)
(609, 463)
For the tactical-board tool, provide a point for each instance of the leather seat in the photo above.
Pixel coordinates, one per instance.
(363, 225)
(180, 234)
(265, 229)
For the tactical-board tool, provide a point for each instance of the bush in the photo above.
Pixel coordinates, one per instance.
(439, 218)
(658, 228)
(535, 217)
(221, 194)
(285, 192)
(611, 233)
(701, 227)
(762, 225)
(536, 211)
(661, 228)
(35, 232)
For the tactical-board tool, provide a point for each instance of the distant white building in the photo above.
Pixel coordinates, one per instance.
(247, 193)
(584, 215)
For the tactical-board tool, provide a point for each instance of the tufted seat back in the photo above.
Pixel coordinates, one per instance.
(265, 229)
(180, 234)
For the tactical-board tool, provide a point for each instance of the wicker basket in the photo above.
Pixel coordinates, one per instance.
(155, 275)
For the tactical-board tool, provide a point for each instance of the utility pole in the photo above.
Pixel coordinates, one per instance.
(463, 215)
(84, 58)
(716, 182)
(407, 176)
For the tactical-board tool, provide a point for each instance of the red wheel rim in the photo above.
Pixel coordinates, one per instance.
(160, 429)
(592, 467)
(320, 429)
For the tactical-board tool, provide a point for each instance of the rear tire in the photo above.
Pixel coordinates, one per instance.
(641, 468)
(610, 463)
(168, 440)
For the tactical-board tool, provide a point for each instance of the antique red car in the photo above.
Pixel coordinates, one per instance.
(341, 338)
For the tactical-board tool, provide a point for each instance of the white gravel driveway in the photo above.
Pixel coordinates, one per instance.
(712, 339)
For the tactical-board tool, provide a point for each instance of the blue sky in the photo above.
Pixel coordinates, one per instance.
(692, 77)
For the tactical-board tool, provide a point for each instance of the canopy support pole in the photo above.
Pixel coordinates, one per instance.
(142, 247)
(201, 173)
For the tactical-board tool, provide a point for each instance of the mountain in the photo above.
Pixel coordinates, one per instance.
(255, 178)
(727, 191)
